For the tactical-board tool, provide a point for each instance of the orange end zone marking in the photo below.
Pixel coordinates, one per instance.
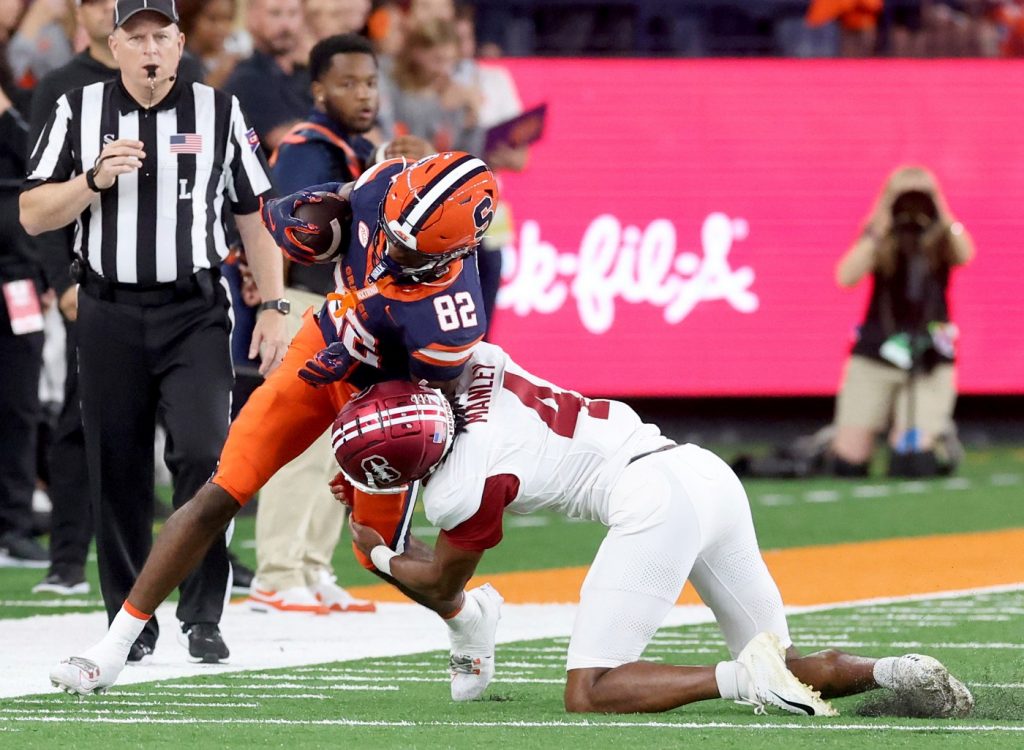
(825, 574)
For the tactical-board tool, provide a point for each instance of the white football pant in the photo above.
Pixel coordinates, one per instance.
(674, 515)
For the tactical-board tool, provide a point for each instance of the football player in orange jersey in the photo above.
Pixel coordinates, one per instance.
(407, 307)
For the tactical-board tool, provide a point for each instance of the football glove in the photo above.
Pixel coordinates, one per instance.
(343, 492)
(278, 218)
(329, 365)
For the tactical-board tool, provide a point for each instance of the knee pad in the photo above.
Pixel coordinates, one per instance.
(916, 464)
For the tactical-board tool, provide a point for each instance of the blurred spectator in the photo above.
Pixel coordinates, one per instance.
(298, 522)
(386, 29)
(327, 18)
(38, 42)
(272, 87)
(425, 99)
(495, 88)
(244, 302)
(499, 101)
(858, 22)
(21, 340)
(939, 29)
(208, 26)
(951, 29)
(900, 375)
(815, 28)
(1009, 16)
(422, 12)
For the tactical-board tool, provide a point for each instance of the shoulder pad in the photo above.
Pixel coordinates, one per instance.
(384, 169)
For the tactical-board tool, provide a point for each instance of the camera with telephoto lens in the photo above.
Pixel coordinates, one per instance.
(914, 211)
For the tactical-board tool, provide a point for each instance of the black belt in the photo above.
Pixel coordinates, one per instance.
(651, 453)
(199, 284)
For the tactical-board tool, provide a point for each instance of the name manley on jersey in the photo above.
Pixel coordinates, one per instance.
(164, 221)
(546, 438)
(424, 331)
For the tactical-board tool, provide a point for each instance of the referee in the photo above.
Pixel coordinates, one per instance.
(71, 526)
(146, 165)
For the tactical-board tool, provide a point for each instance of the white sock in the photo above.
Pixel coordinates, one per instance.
(123, 632)
(883, 671)
(467, 617)
(732, 680)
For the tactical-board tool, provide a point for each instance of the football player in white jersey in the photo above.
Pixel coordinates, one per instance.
(515, 443)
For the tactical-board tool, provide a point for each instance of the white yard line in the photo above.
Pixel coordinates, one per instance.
(813, 725)
(270, 641)
(869, 491)
(260, 641)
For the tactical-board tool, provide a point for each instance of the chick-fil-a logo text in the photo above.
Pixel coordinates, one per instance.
(627, 263)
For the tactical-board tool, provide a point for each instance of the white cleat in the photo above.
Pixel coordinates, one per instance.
(472, 654)
(963, 700)
(928, 690)
(771, 683)
(335, 598)
(78, 675)
(299, 599)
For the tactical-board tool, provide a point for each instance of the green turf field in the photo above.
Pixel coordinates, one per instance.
(403, 701)
(987, 493)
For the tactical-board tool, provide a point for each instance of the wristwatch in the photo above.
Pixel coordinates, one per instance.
(90, 180)
(283, 306)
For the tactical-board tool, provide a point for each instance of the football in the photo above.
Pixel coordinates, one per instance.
(333, 216)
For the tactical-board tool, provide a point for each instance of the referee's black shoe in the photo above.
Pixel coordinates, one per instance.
(139, 653)
(204, 642)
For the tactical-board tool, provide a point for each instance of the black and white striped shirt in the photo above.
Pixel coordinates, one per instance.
(164, 221)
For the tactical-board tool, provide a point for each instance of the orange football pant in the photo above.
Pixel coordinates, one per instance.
(282, 418)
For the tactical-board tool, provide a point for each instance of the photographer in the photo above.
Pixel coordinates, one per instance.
(900, 374)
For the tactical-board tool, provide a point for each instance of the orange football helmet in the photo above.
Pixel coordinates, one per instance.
(438, 209)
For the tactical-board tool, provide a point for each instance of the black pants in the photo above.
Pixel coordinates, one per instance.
(138, 364)
(21, 359)
(71, 518)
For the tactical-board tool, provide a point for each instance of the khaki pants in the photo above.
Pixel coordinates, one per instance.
(874, 396)
(298, 521)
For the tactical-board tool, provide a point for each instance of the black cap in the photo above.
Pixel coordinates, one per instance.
(128, 8)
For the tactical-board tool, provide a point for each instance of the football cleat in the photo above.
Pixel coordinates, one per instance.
(62, 584)
(769, 682)
(927, 689)
(963, 700)
(335, 598)
(79, 675)
(140, 653)
(297, 599)
(472, 654)
(204, 643)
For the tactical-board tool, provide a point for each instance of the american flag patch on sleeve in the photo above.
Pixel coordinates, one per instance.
(186, 143)
(254, 140)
